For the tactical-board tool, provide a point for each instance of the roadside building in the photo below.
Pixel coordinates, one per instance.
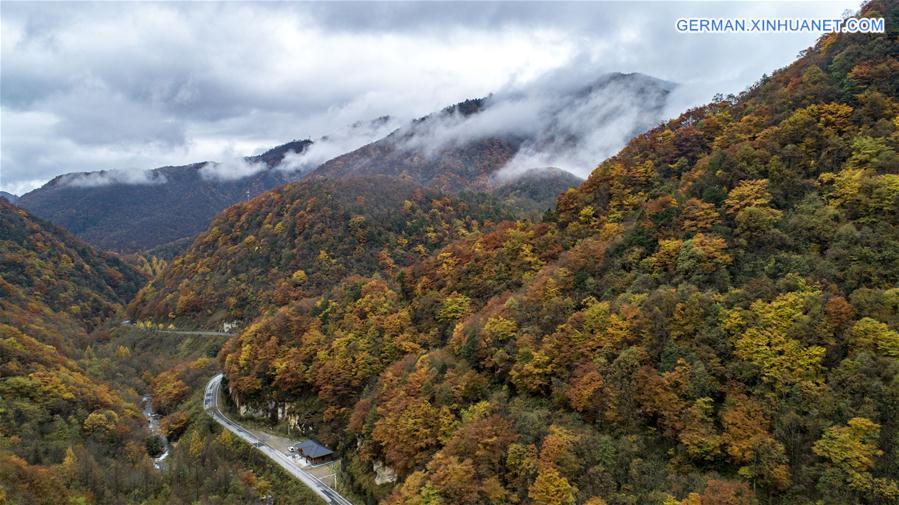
(314, 452)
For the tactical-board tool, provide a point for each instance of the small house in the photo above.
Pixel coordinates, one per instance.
(314, 452)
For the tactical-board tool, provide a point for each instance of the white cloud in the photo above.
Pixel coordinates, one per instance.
(109, 177)
(572, 124)
(230, 169)
(346, 139)
(580, 133)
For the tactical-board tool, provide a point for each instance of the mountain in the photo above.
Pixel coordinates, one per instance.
(465, 146)
(54, 290)
(297, 240)
(71, 382)
(9, 197)
(54, 286)
(536, 190)
(711, 317)
(130, 214)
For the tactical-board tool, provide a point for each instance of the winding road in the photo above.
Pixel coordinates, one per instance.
(211, 405)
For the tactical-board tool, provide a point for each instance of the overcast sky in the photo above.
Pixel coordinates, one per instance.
(140, 85)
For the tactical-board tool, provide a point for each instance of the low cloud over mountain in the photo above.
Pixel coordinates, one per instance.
(110, 177)
(561, 122)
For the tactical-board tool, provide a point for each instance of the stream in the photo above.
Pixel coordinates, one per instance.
(153, 426)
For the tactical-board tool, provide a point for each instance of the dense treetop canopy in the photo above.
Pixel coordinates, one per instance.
(710, 318)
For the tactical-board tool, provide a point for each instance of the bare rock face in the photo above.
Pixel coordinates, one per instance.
(384, 474)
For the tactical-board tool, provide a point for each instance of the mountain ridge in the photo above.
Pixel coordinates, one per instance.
(172, 203)
(462, 147)
(452, 151)
(298, 239)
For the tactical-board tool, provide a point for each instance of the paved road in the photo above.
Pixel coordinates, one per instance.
(200, 332)
(211, 405)
(206, 333)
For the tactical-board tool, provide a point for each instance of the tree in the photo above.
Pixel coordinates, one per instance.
(783, 361)
(123, 352)
(584, 388)
(721, 492)
(748, 442)
(756, 222)
(764, 339)
(453, 479)
(497, 331)
(299, 277)
(868, 334)
(698, 216)
(748, 193)
(532, 370)
(409, 425)
(873, 153)
(226, 438)
(154, 445)
(69, 464)
(699, 436)
(168, 390)
(195, 445)
(852, 450)
(521, 461)
(101, 421)
(697, 258)
(558, 451)
(454, 307)
(550, 488)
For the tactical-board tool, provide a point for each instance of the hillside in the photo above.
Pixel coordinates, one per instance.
(536, 190)
(70, 384)
(465, 146)
(53, 291)
(9, 197)
(711, 318)
(54, 286)
(295, 241)
(172, 203)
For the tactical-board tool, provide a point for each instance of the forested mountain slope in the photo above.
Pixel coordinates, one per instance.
(71, 430)
(54, 286)
(297, 240)
(536, 190)
(53, 290)
(170, 204)
(710, 318)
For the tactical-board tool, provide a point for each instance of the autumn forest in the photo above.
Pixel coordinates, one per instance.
(710, 318)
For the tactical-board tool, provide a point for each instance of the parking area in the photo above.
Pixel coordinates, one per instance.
(326, 472)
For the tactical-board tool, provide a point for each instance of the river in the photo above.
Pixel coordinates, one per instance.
(153, 427)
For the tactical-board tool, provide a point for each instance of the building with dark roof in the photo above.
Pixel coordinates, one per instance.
(314, 452)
